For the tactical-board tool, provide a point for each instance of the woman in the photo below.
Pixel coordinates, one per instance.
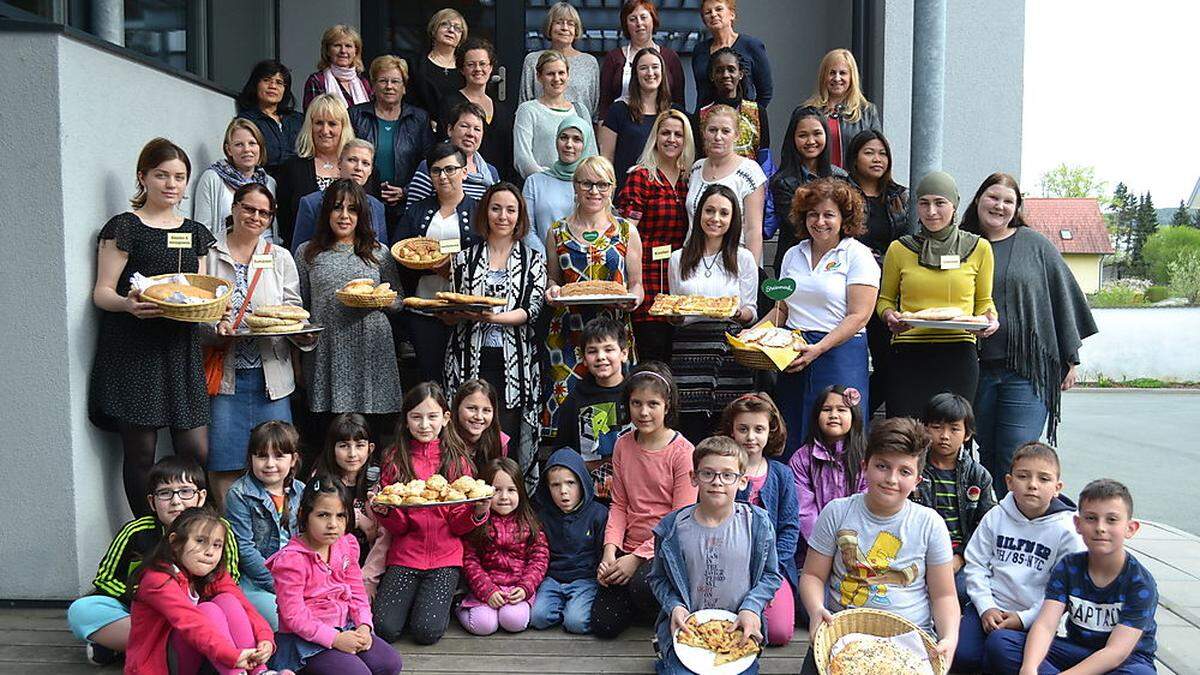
(722, 165)
(550, 194)
(562, 28)
(804, 158)
(626, 128)
(476, 61)
(719, 17)
(533, 131)
(589, 244)
(325, 132)
(340, 69)
(839, 96)
(940, 266)
(353, 368)
(147, 373)
(870, 167)
(653, 202)
(729, 85)
(1044, 318)
(466, 122)
(400, 133)
(639, 21)
(444, 215)
(242, 165)
(436, 76)
(837, 283)
(256, 378)
(713, 265)
(498, 346)
(267, 100)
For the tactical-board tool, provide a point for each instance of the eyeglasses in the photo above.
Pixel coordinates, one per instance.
(393, 81)
(451, 25)
(444, 170)
(709, 476)
(589, 186)
(167, 494)
(265, 214)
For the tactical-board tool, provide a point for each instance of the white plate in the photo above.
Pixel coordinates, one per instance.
(700, 661)
(595, 299)
(962, 325)
(244, 331)
(432, 504)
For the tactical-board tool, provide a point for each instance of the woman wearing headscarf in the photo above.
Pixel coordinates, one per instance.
(549, 195)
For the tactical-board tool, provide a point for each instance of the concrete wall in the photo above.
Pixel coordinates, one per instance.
(1156, 342)
(300, 31)
(1086, 268)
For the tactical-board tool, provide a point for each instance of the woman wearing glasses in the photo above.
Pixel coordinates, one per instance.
(590, 244)
(563, 28)
(537, 121)
(465, 132)
(476, 62)
(436, 76)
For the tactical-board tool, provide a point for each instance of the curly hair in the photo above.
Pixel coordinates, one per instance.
(848, 200)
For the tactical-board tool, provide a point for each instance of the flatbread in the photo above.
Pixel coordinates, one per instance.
(425, 303)
(464, 299)
(875, 656)
(281, 328)
(255, 321)
(281, 312)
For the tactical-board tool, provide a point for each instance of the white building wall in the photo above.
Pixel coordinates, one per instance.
(300, 35)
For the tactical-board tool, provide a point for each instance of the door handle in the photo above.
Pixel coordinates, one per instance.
(500, 77)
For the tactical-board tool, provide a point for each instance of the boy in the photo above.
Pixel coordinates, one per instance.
(953, 483)
(102, 618)
(592, 415)
(1108, 597)
(574, 525)
(879, 549)
(1011, 555)
(716, 554)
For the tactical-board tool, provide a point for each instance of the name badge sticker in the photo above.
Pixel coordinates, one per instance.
(179, 240)
(449, 245)
(660, 252)
(951, 262)
(263, 261)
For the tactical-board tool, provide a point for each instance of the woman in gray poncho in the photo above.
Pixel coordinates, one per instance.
(1027, 364)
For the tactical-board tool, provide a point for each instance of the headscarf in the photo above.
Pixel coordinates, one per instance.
(334, 76)
(948, 241)
(564, 171)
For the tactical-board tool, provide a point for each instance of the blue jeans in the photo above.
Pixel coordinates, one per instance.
(968, 657)
(234, 415)
(569, 604)
(1008, 413)
(1006, 648)
(796, 393)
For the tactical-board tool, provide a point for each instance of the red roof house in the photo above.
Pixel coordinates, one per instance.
(1077, 230)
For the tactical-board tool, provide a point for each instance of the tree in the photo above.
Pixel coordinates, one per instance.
(1145, 222)
(1072, 182)
(1182, 216)
(1185, 277)
(1165, 247)
(1120, 218)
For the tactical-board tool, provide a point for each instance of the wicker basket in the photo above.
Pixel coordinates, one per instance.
(870, 622)
(360, 301)
(203, 312)
(416, 265)
(753, 358)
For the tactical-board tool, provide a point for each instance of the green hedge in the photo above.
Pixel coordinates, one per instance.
(1157, 293)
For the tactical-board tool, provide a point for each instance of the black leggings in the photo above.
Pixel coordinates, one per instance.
(616, 607)
(141, 445)
(423, 595)
(918, 371)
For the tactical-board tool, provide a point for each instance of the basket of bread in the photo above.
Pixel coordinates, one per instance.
(594, 292)
(196, 298)
(445, 301)
(434, 491)
(943, 317)
(278, 320)
(874, 642)
(706, 644)
(366, 294)
(694, 305)
(419, 253)
(765, 347)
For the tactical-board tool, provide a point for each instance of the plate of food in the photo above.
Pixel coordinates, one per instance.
(419, 253)
(765, 346)
(594, 293)
(859, 654)
(366, 294)
(445, 301)
(943, 317)
(434, 491)
(705, 645)
(694, 305)
(277, 320)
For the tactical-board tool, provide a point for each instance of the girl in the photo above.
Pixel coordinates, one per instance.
(475, 424)
(651, 468)
(829, 464)
(754, 422)
(348, 457)
(506, 559)
(426, 552)
(324, 616)
(537, 119)
(261, 509)
(188, 610)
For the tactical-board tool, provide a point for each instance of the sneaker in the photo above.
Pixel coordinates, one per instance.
(99, 655)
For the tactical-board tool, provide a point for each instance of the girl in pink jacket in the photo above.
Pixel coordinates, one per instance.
(325, 623)
(506, 558)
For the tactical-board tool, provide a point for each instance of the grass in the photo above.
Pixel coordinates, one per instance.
(1138, 383)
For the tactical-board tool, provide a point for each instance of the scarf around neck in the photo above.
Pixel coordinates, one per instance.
(562, 170)
(336, 77)
(948, 241)
(234, 178)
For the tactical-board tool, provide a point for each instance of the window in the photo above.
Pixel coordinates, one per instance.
(1066, 234)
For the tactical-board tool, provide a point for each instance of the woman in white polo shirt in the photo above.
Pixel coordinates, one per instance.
(837, 283)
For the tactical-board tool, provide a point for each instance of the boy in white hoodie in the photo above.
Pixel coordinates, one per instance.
(1011, 554)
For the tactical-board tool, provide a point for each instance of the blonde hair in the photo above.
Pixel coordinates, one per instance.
(325, 105)
(550, 56)
(649, 158)
(559, 11)
(598, 167)
(717, 110)
(357, 144)
(389, 62)
(333, 33)
(446, 14)
(243, 123)
(855, 101)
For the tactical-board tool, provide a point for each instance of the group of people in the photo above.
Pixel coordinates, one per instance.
(614, 439)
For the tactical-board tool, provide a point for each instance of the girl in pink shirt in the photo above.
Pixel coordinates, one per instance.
(651, 467)
(475, 423)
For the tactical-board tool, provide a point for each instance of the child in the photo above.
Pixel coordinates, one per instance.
(651, 468)
(1109, 599)
(1011, 554)
(574, 523)
(325, 623)
(426, 551)
(953, 483)
(829, 464)
(474, 422)
(261, 508)
(188, 611)
(349, 456)
(716, 554)
(592, 416)
(754, 422)
(175, 483)
(506, 558)
(881, 550)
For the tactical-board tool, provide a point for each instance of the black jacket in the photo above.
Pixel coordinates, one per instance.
(279, 138)
(975, 495)
(295, 178)
(415, 223)
(412, 139)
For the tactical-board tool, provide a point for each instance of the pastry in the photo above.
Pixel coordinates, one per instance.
(716, 637)
(284, 328)
(425, 303)
(694, 305)
(382, 289)
(966, 318)
(435, 490)
(875, 656)
(161, 292)
(281, 312)
(256, 321)
(464, 299)
(592, 288)
(933, 314)
(418, 251)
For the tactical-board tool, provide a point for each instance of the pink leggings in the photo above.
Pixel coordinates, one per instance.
(780, 615)
(483, 620)
(228, 617)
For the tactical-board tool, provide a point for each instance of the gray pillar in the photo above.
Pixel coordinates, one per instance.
(928, 87)
(108, 21)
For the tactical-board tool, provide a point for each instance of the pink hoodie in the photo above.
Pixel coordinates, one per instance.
(316, 599)
(508, 560)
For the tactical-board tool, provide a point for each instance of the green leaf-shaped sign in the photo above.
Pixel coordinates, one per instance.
(591, 236)
(779, 289)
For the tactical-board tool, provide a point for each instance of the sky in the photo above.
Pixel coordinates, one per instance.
(1098, 72)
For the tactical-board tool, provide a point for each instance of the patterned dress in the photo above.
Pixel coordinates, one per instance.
(603, 260)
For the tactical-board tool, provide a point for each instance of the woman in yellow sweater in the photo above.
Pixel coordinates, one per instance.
(940, 266)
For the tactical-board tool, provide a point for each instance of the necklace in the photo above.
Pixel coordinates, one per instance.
(708, 266)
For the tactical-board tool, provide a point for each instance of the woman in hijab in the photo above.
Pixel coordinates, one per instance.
(549, 194)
